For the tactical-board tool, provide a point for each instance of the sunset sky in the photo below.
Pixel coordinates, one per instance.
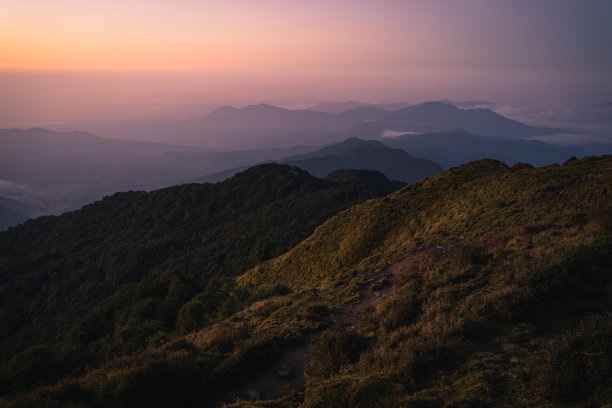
(78, 51)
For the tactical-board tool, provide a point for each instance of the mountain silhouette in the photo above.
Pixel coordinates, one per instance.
(370, 178)
(455, 148)
(352, 153)
(339, 107)
(86, 257)
(441, 117)
(265, 126)
(483, 285)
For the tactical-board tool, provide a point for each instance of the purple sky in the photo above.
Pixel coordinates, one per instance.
(70, 59)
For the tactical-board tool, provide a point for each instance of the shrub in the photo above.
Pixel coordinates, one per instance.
(192, 316)
(264, 249)
(579, 361)
(316, 312)
(467, 255)
(222, 338)
(33, 366)
(334, 349)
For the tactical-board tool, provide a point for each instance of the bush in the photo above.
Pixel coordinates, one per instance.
(192, 316)
(264, 249)
(579, 361)
(400, 308)
(315, 312)
(36, 365)
(374, 390)
(466, 255)
(222, 338)
(182, 383)
(334, 349)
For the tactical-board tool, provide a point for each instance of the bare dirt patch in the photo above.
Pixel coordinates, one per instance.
(288, 372)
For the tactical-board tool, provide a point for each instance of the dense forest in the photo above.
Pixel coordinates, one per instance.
(483, 285)
(114, 277)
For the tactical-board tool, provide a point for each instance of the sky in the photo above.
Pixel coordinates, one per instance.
(64, 59)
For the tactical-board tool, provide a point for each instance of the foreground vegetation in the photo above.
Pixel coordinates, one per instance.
(516, 312)
(123, 273)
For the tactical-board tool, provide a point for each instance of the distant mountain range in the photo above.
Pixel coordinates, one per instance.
(339, 107)
(484, 285)
(439, 117)
(52, 172)
(453, 149)
(396, 157)
(48, 172)
(267, 126)
(369, 178)
(352, 153)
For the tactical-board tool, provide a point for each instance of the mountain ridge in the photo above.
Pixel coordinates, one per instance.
(352, 153)
(507, 284)
(141, 242)
(273, 125)
(458, 147)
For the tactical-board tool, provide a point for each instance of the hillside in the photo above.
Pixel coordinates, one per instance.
(51, 172)
(124, 266)
(369, 178)
(339, 107)
(455, 148)
(352, 153)
(483, 285)
(431, 117)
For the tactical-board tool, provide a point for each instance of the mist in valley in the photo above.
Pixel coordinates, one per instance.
(198, 92)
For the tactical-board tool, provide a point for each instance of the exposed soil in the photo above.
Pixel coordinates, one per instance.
(502, 236)
(415, 262)
(270, 383)
(288, 372)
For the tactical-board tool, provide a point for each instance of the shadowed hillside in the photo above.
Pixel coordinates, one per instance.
(455, 148)
(369, 178)
(122, 267)
(353, 153)
(45, 172)
(493, 287)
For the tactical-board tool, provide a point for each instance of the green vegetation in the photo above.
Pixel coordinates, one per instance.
(366, 178)
(514, 308)
(136, 269)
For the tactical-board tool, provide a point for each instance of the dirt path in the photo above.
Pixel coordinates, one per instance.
(288, 372)
(415, 262)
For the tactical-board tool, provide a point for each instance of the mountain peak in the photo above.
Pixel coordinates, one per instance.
(263, 107)
(434, 105)
(223, 111)
(356, 142)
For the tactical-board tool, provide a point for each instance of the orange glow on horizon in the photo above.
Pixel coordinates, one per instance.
(266, 36)
(358, 49)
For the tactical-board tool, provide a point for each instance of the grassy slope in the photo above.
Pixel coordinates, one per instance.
(525, 321)
(113, 277)
(462, 202)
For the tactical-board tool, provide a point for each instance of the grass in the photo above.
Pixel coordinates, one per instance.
(509, 317)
